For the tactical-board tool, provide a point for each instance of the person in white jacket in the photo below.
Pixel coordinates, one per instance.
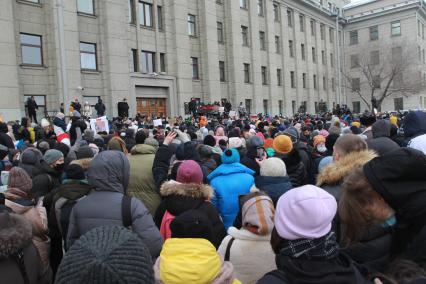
(248, 248)
(87, 110)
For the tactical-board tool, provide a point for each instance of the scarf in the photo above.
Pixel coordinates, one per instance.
(322, 248)
(15, 193)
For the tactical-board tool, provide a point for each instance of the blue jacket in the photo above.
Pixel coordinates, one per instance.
(229, 181)
(274, 186)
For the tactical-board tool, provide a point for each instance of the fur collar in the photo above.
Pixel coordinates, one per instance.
(190, 190)
(334, 173)
(16, 237)
(84, 163)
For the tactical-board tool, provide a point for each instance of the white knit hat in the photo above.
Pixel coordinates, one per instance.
(273, 167)
(235, 142)
(44, 123)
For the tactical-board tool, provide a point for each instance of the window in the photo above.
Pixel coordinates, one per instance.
(265, 106)
(277, 44)
(280, 106)
(333, 85)
(322, 31)
(398, 103)
(191, 25)
(353, 37)
(163, 62)
(376, 81)
(313, 27)
(132, 12)
(31, 49)
(85, 6)
(323, 57)
(264, 75)
(260, 7)
(304, 80)
(246, 73)
(291, 48)
(314, 55)
(374, 33)
(195, 71)
(332, 59)
(423, 31)
(302, 22)
(147, 62)
(145, 14)
(356, 107)
(324, 83)
(222, 71)
(135, 60)
(302, 50)
(160, 18)
(243, 4)
(375, 57)
(331, 35)
(354, 61)
(276, 12)
(248, 105)
(279, 77)
(33, 1)
(315, 81)
(396, 28)
(88, 56)
(356, 85)
(418, 27)
(244, 33)
(220, 32)
(262, 40)
(292, 81)
(290, 18)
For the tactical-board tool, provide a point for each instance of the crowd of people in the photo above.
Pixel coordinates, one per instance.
(303, 199)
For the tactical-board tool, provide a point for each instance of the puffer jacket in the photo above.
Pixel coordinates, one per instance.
(109, 175)
(273, 186)
(229, 181)
(141, 181)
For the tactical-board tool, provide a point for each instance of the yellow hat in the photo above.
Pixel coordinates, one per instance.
(189, 261)
(282, 144)
(356, 124)
(394, 120)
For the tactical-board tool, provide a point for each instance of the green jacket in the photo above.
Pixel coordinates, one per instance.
(141, 183)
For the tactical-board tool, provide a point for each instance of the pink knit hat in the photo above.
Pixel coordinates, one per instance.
(305, 213)
(189, 172)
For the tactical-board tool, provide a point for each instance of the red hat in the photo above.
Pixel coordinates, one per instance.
(189, 172)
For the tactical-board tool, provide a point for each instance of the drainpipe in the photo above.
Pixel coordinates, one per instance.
(338, 61)
(62, 52)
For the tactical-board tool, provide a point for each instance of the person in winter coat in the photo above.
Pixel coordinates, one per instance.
(129, 139)
(19, 199)
(19, 259)
(415, 130)
(76, 105)
(117, 144)
(230, 180)
(219, 134)
(100, 108)
(161, 165)
(381, 143)
(177, 264)
(255, 151)
(123, 109)
(248, 248)
(107, 255)
(141, 181)
(109, 174)
(47, 176)
(87, 110)
(273, 179)
(5, 139)
(206, 156)
(30, 159)
(305, 246)
(186, 193)
(387, 189)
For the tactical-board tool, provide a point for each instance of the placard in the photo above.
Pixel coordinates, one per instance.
(99, 124)
(158, 122)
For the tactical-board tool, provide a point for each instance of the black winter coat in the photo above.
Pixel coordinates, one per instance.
(296, 170)
(45, 179)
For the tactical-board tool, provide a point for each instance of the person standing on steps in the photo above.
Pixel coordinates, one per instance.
(32, 109)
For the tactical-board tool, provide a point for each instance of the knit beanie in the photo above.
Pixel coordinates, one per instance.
(356, 124)
(324, 133)
(255, 141)
(230, 156)
(282, 144)
(205, 151)
(235, 142)
(89, 135)
(273, 167)
(18, 178)
(52, 155)
(110, 254)
(193, 223)
(209, 140)
(305, 213)
(293, 133)
(258, 215)
(84, 152)
(74, 171)
(189, 172)
(44, 123)
(152, 142)
(318, 140)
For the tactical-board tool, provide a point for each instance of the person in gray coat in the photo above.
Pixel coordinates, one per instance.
(109, 175)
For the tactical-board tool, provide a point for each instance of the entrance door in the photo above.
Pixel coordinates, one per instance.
(151, 107)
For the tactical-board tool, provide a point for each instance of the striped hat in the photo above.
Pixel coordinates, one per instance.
(258, 215)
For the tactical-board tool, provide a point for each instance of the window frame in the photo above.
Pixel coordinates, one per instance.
(135, 59)
(304, 82)
(144, 23)
(244, 4)
(247, 75)
(163, 63)
(153, 63)
(279, 77)
(40, 47)
(86, 13)
(93, 53)
(220, 34)
(132, 12)
(374, 33)
(277, 14)
(277, 45)
(302, 23)
(292, 80)
(303, 51)
(291, 48)
(260, 8)
(290, 20)
(398, 27)
(264, 75)
(192, 24)
(222, 71)
(160, 18)
(195, 68)
(245, 36)
(353, 37)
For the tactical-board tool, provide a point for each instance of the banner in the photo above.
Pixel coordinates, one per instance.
(99, 124)
(158, 122)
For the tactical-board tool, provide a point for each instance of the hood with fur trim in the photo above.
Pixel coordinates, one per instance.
(186, 190)
(14, 237)
(84, 163)
(336, 171)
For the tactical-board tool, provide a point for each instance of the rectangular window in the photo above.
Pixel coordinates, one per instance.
(85, 6)
(160, 18)
(313, 28)
(323, 57)
(191, 25)
(248, 105)
(145, 14)
(246, 73)
(260, 7)
(396, 28)
(302, 22)
(280, 107)
(291, 48)
(331, 35)
(135, 60)
(264, 76)
(302, 50)
(398, 103)
(163, 62)
(243, 4)
(356, 107)
(195, 70)
(374, 33)
(290, 18)
(354, 61)
(322, 31)
(304, 80)
(315, 81)
(377, 81)
(132, 12)
(356, 84)
(244, 34)
(333, 85)
(265, 106)
(332, 59)
(324, 83)
(276, 12)
(375, 57)
(314, 55)
(222, 74)
(147, 62)
(262, 40)
(88, 56)
(279, 77)
(31, 49)
(220, 32)
(353, 37)
(292, 81)
(277, 44)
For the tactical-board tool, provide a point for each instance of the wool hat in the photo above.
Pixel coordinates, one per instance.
(293, 133)
(235, 142)
(230, 156)
(318, 140)
(356, 124)
(152, 142)
(74, 171)
(324, 133)
(282, 144)
(258, 215)
(19, 178)
(43, 146)
(94, 148)
(89, 135)
(52, 155)
(305, 213)
(109, 254)
(44, 123)
(273, 167)
(193, 223)
(205, 151)
(84, 152)
(60, 115)
(209, 140)
(189, 172)
(255, 141)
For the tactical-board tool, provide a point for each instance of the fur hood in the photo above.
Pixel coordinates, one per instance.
(84, 163)
(188, 190)
(14, 237)
(335, 172)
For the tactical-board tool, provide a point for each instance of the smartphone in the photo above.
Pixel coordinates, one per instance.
(261, 153)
